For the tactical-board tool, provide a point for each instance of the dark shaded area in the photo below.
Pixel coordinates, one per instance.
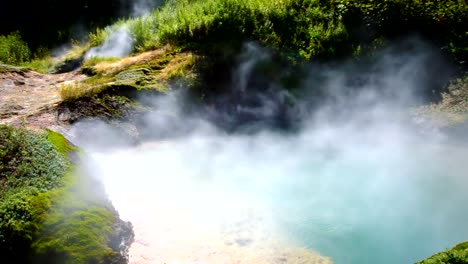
(442, 23)
(51, 22)
(266, 90)
(69, 65)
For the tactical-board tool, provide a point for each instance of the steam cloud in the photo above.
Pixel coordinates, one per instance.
(119, 44)
(357, 180)
(143, 7)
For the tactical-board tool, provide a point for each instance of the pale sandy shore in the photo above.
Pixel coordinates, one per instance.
(172, 239)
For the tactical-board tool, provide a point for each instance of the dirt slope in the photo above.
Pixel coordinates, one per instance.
(31, 98)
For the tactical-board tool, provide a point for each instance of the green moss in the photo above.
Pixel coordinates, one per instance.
(60, 143)
(78, 226)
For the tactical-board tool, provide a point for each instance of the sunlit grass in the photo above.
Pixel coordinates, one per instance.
(76, 90)
(96, 60)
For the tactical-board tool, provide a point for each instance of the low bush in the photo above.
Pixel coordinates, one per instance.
(13, 50)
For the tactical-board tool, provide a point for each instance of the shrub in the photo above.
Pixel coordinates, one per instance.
(13, 50)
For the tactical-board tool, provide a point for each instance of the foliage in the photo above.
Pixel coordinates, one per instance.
(305, 25)
(310, 27)
(456, 255)
(13, 50)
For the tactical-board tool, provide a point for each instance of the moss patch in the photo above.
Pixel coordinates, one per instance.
(11, 68)
(49, 214)
(60, 143)
(78, 227)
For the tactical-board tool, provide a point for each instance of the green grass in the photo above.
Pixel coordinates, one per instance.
(42, 65)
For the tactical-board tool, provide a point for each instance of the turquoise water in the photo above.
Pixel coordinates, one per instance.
(355, 198)
(365, 213)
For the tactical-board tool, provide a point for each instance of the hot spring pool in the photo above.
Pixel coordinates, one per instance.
(270, 198)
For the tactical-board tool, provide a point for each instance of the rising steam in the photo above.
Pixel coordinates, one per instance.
(357, 181)
(119, 44)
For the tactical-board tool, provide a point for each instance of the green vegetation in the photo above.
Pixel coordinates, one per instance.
(310, 28)
(29, 168)
(308, 25)
(456, 255)
(78, 225)
(46, 211)
(40, 64)
(13, 50)
(441, 22)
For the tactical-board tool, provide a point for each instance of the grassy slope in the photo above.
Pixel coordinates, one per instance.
(46, 211)
(456, 255)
